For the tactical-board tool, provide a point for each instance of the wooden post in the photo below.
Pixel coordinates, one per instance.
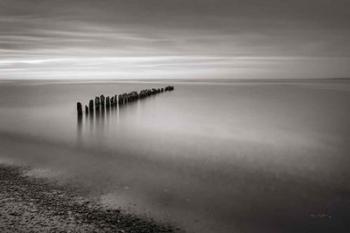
(120, 99)
(91, 106)
(102, 102)
(79, 109)
(112, 101)
(102, 99)
(97, 103)
(108, 103)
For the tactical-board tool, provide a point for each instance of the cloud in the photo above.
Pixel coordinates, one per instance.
(60, 38)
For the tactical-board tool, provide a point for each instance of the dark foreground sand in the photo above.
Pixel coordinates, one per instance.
(34, 205)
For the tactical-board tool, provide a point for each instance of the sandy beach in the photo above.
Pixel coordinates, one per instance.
(34, 205)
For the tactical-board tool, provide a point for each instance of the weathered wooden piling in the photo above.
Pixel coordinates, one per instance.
(91, 106)
(79, 108)
(102, 102)
(108, 103)
(122, 99)
(97, 102)
(132, 96)
(169, 88)
(112, 101)
(102, 99)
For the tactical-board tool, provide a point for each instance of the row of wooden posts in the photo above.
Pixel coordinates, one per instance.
(114, 101)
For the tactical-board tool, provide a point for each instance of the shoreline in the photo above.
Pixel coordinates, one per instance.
(33, 204)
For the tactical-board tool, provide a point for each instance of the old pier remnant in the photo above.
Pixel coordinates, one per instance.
(169, 88)
(91, 106)
(102, 99)
(97, 103)
(113, 101)
(79, 109)
(108, 103)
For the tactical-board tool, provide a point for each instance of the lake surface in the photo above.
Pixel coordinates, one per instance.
(208, 157)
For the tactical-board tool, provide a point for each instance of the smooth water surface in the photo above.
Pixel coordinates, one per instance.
(224, 157)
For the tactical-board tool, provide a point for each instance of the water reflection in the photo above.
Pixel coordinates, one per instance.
(80, 122)
(105, 117)
(105, 107)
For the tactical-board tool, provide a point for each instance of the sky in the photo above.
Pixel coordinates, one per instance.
(196, 39)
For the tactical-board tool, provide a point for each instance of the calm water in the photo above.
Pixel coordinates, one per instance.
(230, 157)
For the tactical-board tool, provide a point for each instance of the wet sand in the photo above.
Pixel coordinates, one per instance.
(34, 205)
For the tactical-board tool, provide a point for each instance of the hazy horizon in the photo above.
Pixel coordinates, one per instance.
(86, 39)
